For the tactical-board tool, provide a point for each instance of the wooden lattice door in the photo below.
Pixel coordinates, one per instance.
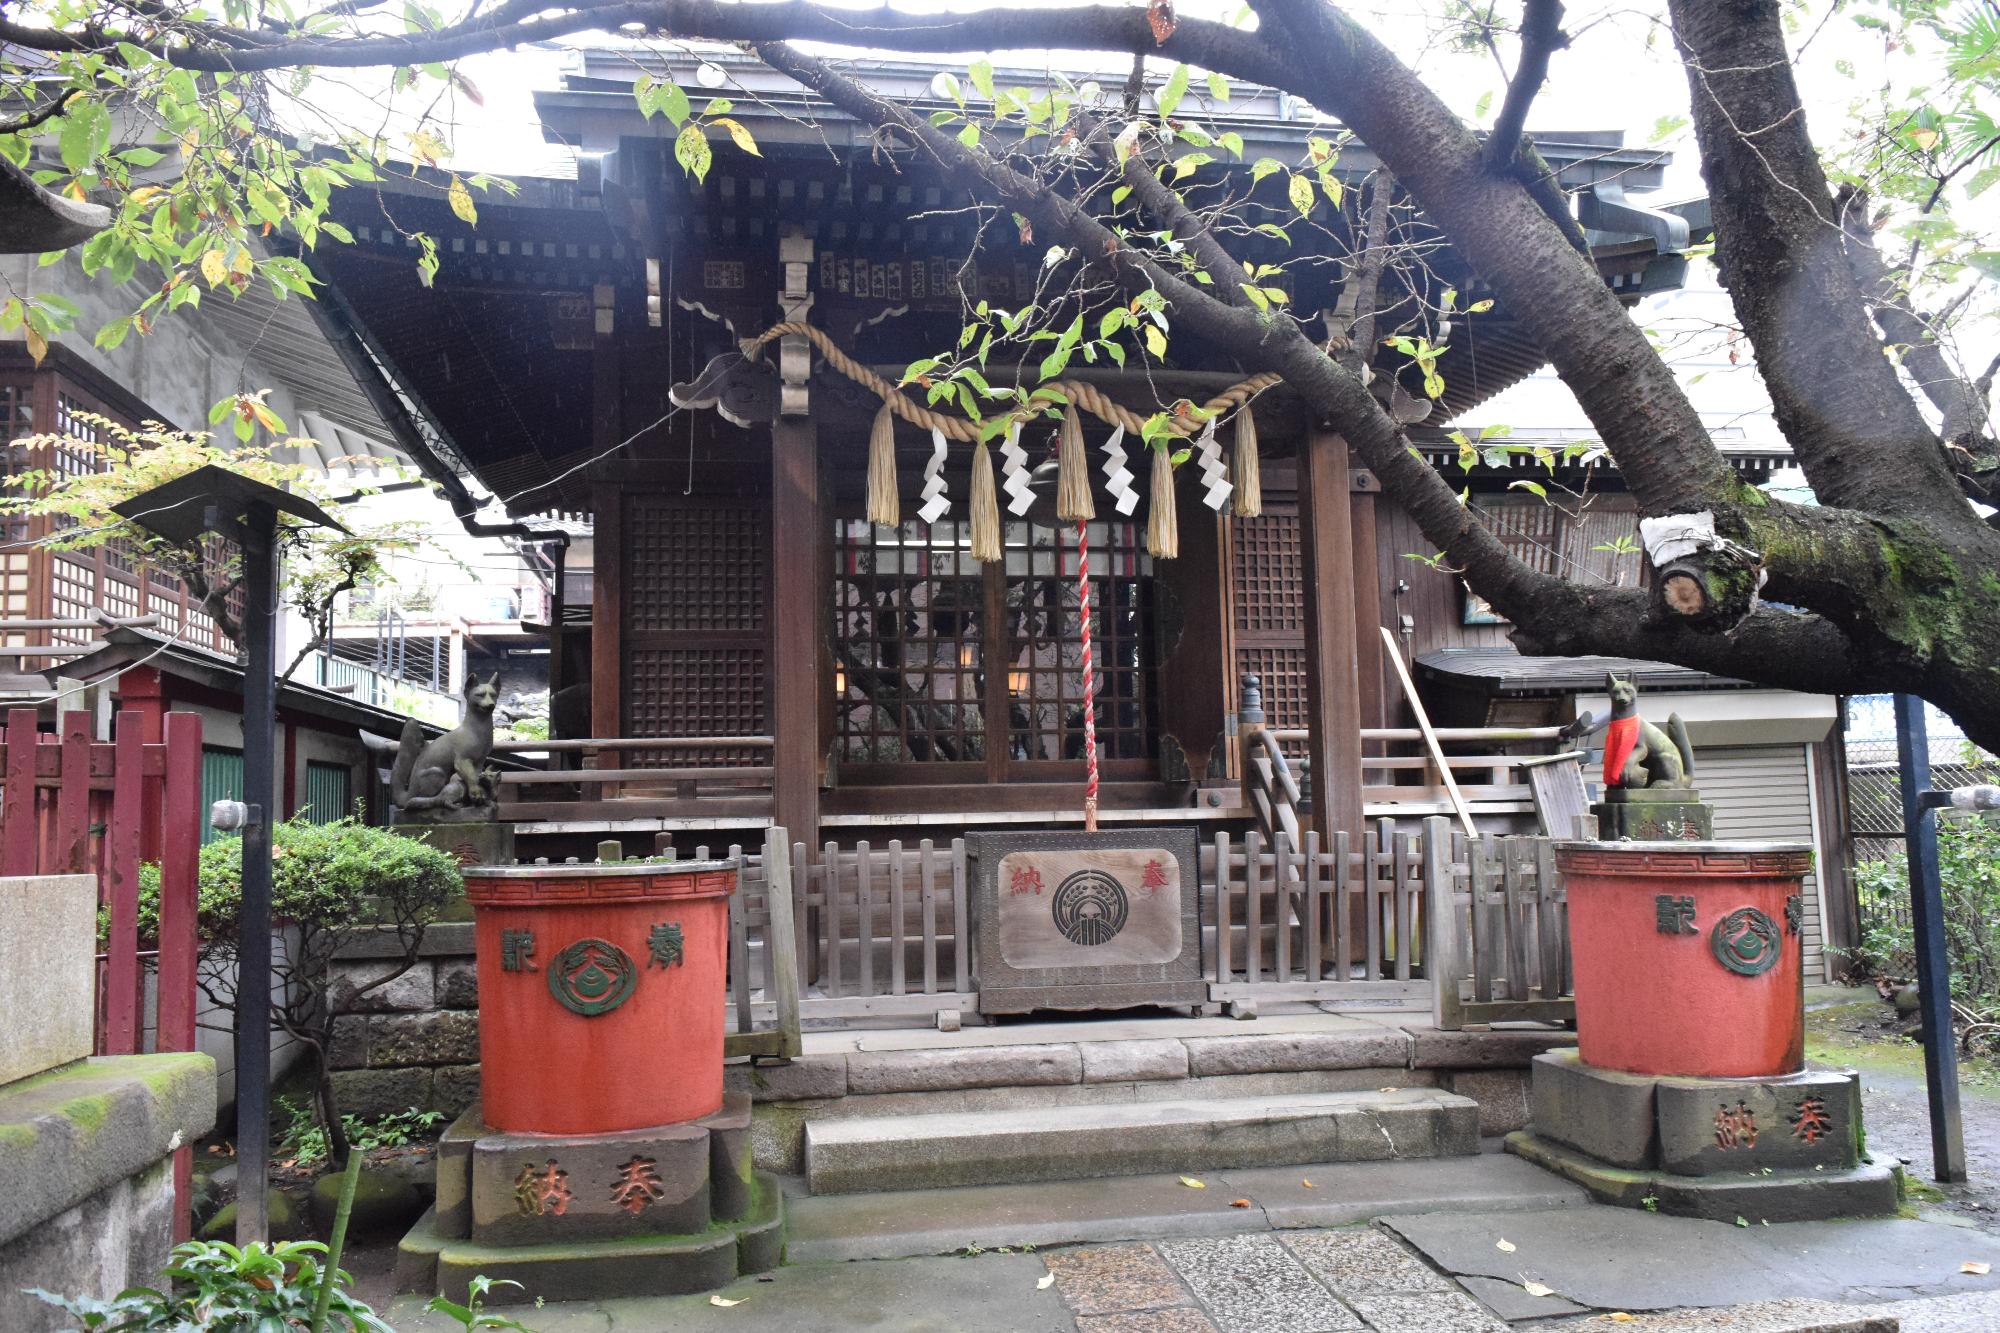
(696, 636)
(1268, 610)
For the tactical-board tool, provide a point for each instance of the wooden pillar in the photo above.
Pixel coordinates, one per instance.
(797, 552)
(1333, 696)
(798, 559)
(607, 607)
(1363, 489)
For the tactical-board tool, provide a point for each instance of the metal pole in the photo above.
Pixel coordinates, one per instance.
(1927, 916)
(253, 960)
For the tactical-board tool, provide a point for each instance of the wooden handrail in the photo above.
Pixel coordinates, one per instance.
(741, 774)
(638, 743)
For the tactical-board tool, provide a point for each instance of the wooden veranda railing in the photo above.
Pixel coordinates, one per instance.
(71, 804)
(1406, 918)
(708, 779)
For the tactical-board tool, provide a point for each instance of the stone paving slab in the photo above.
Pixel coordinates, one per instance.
(995, 1293)
(1427, 1312)
(1108, 1279)
(1252, 1284)
(1617, 1259)
(1510, 1300)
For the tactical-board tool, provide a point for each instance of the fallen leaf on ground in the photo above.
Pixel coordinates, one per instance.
(1505, 1246)
(1308, 1184)
(1192, 1183)
(1976, 1268)
(723, 1301)
(1537, 1289)
(1740, 1222)
(1239, 1203)
(1617, 1317)
(1048, 1280)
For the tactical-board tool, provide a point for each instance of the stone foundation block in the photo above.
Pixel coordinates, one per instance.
(532, 1189)
(1502, 1095)
(373, 1093)
(731, 1175)
(1286, 1052)
(443, 1037)
(1607, 1114)
(808, 1078)
(965, 1067)
(409, 991)
(452, 1211)
(1501, 1049)
(1804, 1122)
(458, 985)
(349, 1049)
(454, 1088)
(1133, 1061)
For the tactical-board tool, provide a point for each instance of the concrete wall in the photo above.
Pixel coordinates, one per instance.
(119, 1237)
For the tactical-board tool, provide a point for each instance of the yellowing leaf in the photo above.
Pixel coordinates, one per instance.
(214, 267)
(38, 346)
(1504, 1246)
(1156, 341)
(461, 202)
(1192, 1183)
(1308, 1184)
(1301, 192)
(1975, 1267)
(1239, 1203)
(1617, 1317)
(738, 133)
(723, 1301)
(1537, 1289)
(1048, 1280)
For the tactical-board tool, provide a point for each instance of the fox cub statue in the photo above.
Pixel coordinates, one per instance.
(1637, 753)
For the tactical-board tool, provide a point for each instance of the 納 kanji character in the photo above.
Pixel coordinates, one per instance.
(1810, 1120)
(1735, 1126)
(1673, 915)
(1024, 879)
(542, 1190)
(1153, 877)
(665, 942)
(638, 1184)
(517, 951)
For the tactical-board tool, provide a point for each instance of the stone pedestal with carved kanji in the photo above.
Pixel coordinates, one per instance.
(1687, 1092)
(604, 1158)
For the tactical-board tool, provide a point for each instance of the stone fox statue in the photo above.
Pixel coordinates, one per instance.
(450, 772)
(1637, 753)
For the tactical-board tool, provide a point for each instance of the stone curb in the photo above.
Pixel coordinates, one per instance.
(77, 1130)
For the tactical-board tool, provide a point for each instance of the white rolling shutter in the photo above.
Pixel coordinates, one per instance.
(1764, 792)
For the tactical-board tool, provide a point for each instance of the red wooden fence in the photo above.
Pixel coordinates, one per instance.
(72, 805)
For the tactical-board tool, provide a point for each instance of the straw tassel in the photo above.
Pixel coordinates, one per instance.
(1163, 526)
(985, 508)
(1243, 468)
(1073, 504)
(884, 505)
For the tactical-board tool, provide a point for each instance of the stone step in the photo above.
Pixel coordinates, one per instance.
(907, 1152)
(837, 1227)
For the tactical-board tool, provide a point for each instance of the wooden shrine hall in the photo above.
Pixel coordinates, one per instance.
(735, 646)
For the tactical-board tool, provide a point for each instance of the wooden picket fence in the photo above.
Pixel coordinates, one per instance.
(71, 804)
(1407, 918)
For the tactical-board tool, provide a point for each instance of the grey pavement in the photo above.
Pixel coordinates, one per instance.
(1438, 1273)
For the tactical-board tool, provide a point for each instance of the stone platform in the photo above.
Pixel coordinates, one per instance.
(1766, 1149)
(647, 1212)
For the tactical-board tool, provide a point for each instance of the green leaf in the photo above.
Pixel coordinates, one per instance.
(1174, 90)
(969, 136)
(672, 102)
(982, 78)
(86, 132)
(1233, 141)
(1120, 195)
(691, 150)
(1265, 166)
(1534, 488)
(1483, 105)
(1256, 295)
(1982, 180)
(1218, 87)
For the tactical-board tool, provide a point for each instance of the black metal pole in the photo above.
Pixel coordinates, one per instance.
(253, 961)
(1927, 916)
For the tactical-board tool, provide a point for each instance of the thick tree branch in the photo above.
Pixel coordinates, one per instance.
(1851, 424)
(1629, 393)
(1541, 37)
(1972, 452)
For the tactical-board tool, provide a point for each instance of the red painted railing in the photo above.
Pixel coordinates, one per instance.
(73, 805)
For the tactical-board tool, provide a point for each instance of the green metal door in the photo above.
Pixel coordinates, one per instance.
(329, 791)
(221, 780)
